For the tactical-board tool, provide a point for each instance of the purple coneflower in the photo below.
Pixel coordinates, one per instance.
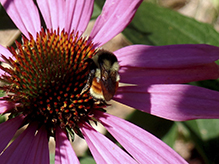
(47, 87)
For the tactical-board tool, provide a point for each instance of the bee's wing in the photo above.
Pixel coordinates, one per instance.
(108, 83)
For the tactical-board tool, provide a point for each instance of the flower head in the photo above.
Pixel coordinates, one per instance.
(46, 78)
(49, 77)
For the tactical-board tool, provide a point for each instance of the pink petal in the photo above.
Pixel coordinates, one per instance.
(39, 151)
(64, 151)
(53, 12)
(6, 106)
(1, 72)
(78, 14)
(24, 14)
(115, 16)
(4, 51)
(171, 56)
(147, 76)
(143, 146)
(102, 149)
(19, 150)
(8, 130)
(174, 102)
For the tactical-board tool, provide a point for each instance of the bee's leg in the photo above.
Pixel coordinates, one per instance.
(89, 81)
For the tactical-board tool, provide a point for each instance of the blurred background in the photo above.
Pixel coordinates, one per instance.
(197, 141)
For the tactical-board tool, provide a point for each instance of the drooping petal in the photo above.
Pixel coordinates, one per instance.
(102, 149)
(8, 129)
(4, 51)
(53, 12)
(115, 16)
(143, 146)
(6, 106)
(78, 14)
(147, 76)
(39, 151)
(1, 72)
(174, 102)
(170, 56)
(18, 151)
(64, 153)
(24, 14)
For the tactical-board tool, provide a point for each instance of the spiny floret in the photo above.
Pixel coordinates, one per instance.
(46, 76)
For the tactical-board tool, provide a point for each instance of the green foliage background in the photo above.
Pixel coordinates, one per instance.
(155, 25)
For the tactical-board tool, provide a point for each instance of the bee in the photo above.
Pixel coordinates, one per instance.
(103, 78)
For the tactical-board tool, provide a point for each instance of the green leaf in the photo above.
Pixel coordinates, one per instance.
(205, 135)
(208, 129)
(170, 137)
(194, 132)
(96, 11)
(154, 25)
(87, 160)
(2, 119)
(100, 3)
(155, 125)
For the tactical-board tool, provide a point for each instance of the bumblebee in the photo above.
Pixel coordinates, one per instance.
(103, 79)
